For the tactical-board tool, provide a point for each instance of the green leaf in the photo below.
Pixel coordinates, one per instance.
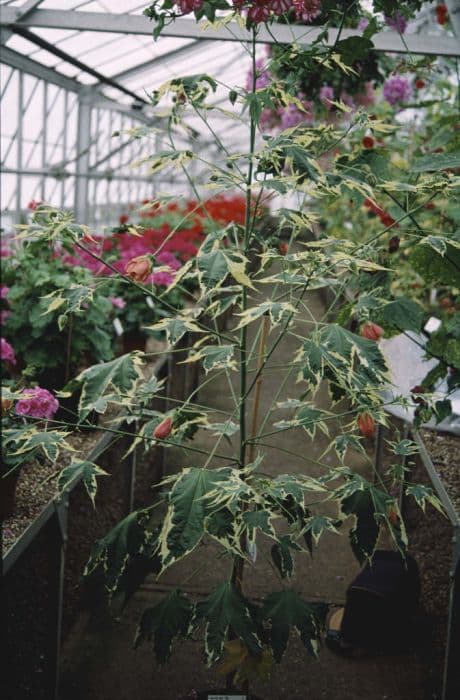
(226, 608)
(371, 507)
(309, 418)
(113, 551)
(354, 48)
(278, 311)
(352, 364)
(183, 526)
(258, 520)
(28, 440)
(424, 495)
(318, 524)
(403, 314)
(225, 529)
(214, 357)
(228, 428)
(165, 622)
(343, 442)
(175, 328)
(436, 161)
(282, 557)
(286, 610)
(86, 471)
(212, 269)
(121, 376)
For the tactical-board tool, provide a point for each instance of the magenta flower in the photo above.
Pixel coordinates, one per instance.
(7, 352)
(326, 95)
(397, 21)
(263, 76)
(118, 302)
(292, 115)
(38, 403)
(165, 277)
(397, 89)
(269, 119)
(279, 7)
(187, 6)
(307, 10)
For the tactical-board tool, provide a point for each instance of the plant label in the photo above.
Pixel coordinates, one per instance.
(119, 330)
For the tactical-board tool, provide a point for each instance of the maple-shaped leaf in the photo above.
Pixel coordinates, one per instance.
(113, 551)
(188, 507)
(165, 622)
(223, 609)
(114, 381)
(286, 610)
(88, 472)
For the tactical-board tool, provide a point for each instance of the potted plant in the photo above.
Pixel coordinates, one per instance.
(229, 497)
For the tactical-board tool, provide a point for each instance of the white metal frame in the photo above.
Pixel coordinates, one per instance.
(91, 100)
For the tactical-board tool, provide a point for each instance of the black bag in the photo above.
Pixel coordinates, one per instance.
(381, 604)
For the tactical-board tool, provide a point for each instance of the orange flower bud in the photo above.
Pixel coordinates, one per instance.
(6, 405)
(393, 516)
(283, 247)
(163, 429)
(371, 331)
(139, 268)
(366, 425)
(368, 142)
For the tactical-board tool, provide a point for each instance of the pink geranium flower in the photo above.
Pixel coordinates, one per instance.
(7, 352)
(38, 403)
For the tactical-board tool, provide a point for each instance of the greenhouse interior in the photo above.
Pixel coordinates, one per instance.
(230, 349)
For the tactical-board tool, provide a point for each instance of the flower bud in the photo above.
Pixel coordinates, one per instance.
(139, 268)
(163, 429)
(366, 425)
(371, 331)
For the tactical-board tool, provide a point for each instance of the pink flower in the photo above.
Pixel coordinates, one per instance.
(397, 21)
(279, 7)
(307, 10)
(37, 402)
(326, 95)
(259, 12)
(4, 291)
(397, 89)
(269, 119)
(165, 277)
(118, 302)
(187, 6)
(263, 78)
(7, 352)
(363, 24)
(292, 115)
(33, 204)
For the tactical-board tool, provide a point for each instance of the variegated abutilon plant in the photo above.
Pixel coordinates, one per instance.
(229, 498)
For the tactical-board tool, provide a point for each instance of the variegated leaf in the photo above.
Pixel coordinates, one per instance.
(226, 608)
(165, 622)
(214, 357)
(109, 381)
(88, 472)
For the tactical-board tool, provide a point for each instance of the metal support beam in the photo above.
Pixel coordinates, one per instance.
(16, 60)
(182, 51)
(24, 10)
(386, 41)
(82, 163)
